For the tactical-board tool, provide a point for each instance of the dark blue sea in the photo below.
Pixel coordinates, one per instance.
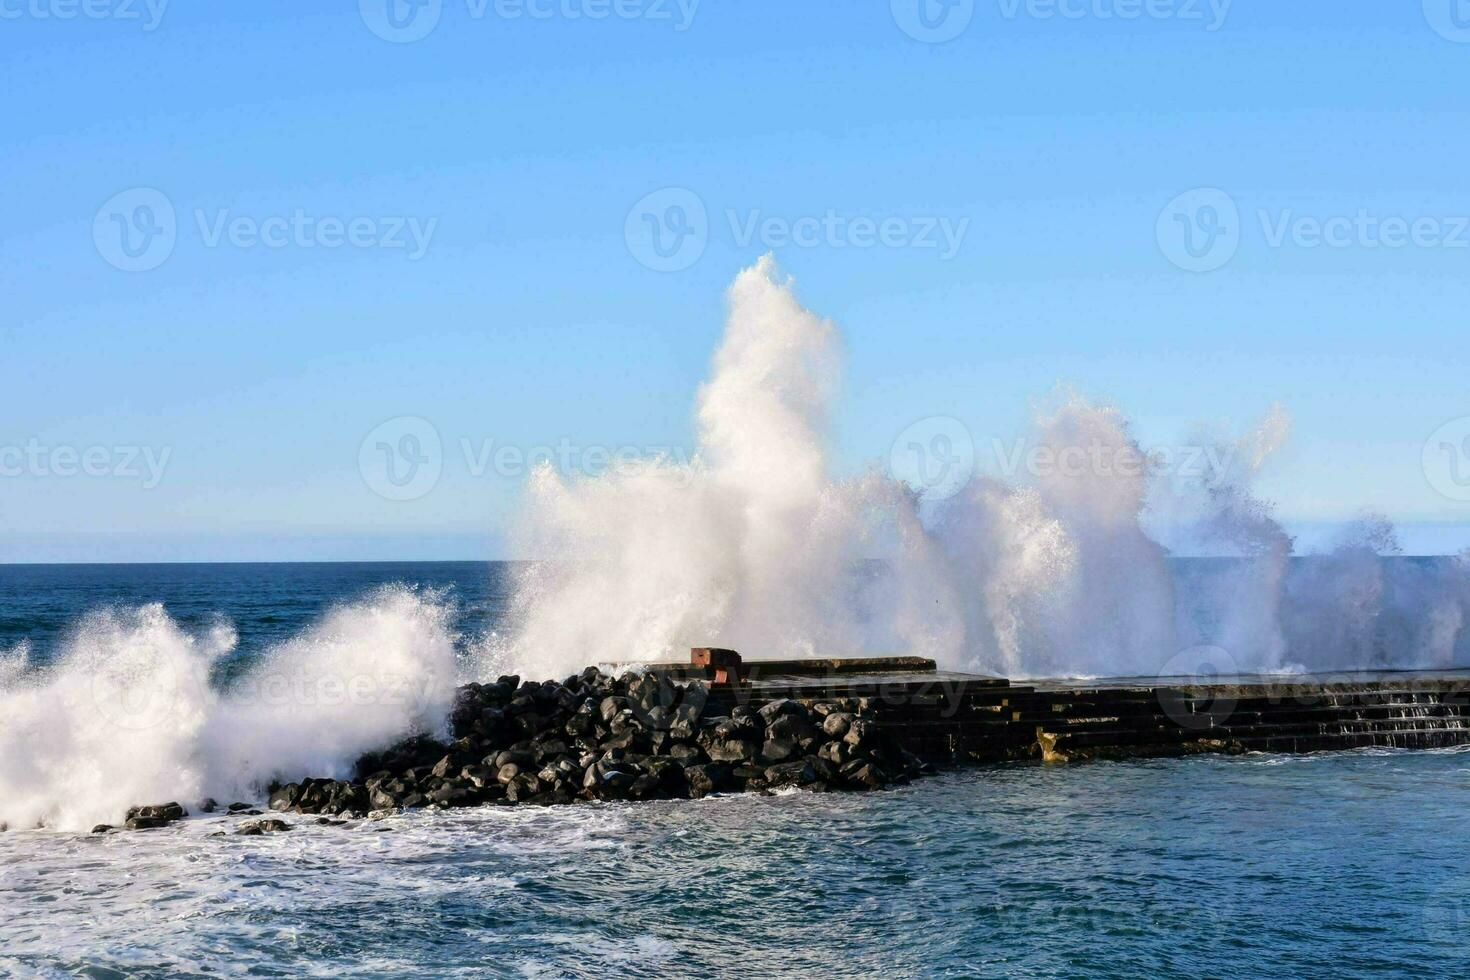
(1341, 865)
(267, 602)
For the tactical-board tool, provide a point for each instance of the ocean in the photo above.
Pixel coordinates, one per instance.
(1340, 865)
(268, 603)
(1346, 865)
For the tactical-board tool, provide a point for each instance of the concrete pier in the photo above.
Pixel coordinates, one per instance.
(951, 718)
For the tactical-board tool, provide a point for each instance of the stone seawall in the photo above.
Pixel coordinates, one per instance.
(956, 719)
(719, 724)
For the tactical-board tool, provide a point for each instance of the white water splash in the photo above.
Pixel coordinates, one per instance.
(753, 545)
(128, 715)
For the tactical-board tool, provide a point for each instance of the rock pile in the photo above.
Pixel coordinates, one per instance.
(148, 817)
(595, 737)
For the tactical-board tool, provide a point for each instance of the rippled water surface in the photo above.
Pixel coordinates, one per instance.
(1352, 864)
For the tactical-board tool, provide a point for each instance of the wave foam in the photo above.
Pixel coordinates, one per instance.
(127, 715)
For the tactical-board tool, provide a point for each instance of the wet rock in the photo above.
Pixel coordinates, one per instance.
(256, 828)
(777, 750)
(145, 823)
(166, 812)
(685, 755)
(837, 753)
(595, 737)
(860, 733)
(479, 776)
(780, 708)
(733, 750)
(284, 797)
(791, 728)
(154, 816)
(610, 708)
(102, 828)
(707, 779)
(798, 773)
(835, 725)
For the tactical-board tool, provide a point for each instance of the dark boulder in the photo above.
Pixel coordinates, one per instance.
(781, 707)
(798, 773)
(733, 750)
(167, 812)
(861, 733)
(145, 823)
(777, 750)
(835, 725)
(707, 779)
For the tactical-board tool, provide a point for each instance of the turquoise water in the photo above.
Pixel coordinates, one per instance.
(1354, 864)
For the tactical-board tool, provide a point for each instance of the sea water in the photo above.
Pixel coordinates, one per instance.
(1353, 864)
(1334, 865)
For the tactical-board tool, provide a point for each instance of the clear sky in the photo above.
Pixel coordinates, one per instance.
(238, 238)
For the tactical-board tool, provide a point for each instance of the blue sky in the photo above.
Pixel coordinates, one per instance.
(517, 139)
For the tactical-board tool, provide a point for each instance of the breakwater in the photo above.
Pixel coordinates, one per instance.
(950, 718)
(720, 724)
